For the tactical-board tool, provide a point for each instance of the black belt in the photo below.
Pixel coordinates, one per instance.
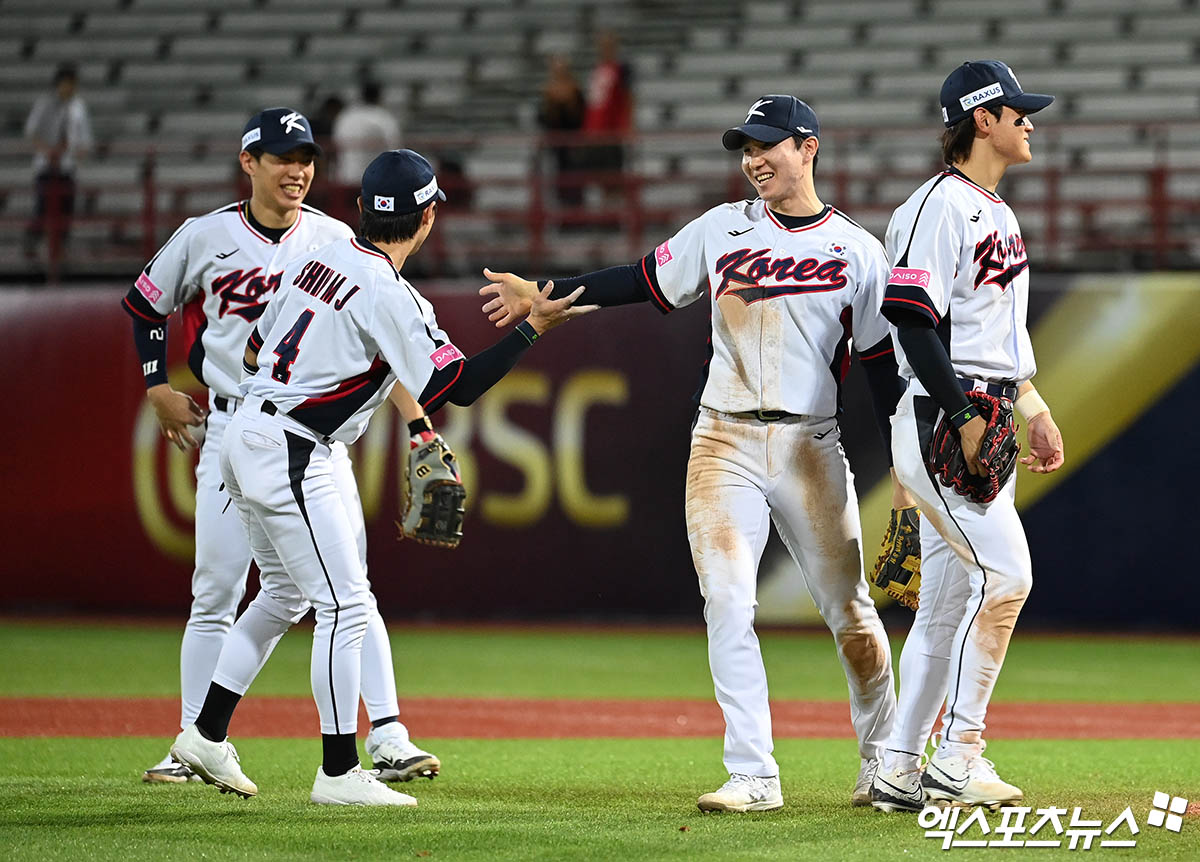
(997, 390)
(225, 405)
(766, 415)
(269, 408)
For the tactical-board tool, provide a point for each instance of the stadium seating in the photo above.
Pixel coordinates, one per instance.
(181, 76)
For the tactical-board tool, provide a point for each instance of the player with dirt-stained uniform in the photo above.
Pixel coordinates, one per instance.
(792, 283)
(220, 270)
(957, 296)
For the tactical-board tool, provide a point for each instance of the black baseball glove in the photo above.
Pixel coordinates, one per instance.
(433, 507)
(997, 451)
(898, 569)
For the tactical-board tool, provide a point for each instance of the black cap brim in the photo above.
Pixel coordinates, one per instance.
(1030, 103)
(734, 138)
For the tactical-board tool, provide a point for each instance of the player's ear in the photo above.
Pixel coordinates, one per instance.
(983, 119)
(248, 163)
(358, 203)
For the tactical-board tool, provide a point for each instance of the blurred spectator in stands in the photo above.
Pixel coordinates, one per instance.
(609, 114)
(561, 115)
(361, 132)
(322, 120)
(61, 134)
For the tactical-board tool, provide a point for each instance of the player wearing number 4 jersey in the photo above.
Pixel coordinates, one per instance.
(792, 282)
(344, 328)
(957, 295)
(221, 269)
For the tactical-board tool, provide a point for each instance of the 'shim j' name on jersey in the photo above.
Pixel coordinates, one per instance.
(785, 303)
(222, 272)
(959, 260)
(343, 328)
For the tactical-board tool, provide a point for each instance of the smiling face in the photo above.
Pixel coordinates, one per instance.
(279, 183)
(778, 171)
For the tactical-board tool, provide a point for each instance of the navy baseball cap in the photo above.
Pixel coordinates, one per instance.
(399, 181)
(279, 130)
(771, 119)
(980, 83)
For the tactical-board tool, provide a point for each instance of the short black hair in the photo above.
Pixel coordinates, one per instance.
(798, 140)
(388, 227)
(959, 138)
(256, 152)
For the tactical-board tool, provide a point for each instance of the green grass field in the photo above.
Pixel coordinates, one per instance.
(121, 660)
(554, 799)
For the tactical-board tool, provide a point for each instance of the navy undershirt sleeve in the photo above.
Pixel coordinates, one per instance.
(149, 337)
(463, 382)
(886, 385)
(617, 285)
(930, 361)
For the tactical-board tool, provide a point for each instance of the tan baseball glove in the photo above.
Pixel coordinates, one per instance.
(898, 569)
(433, 507)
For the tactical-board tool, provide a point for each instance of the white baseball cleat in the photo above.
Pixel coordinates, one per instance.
(744, 793)
(898, 789)
(959, 774)
(215, 762)
(394, 756)
(356, 787)
(170, 771)
(862, 785)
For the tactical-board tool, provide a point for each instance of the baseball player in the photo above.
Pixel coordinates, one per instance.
(344, 327)
(957, 296)
(792, 281)
(220, 269)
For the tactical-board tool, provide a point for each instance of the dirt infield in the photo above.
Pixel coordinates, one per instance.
(514, 718)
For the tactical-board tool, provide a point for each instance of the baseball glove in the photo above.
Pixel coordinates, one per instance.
(433, 505)
(997, 451)
(898, 569)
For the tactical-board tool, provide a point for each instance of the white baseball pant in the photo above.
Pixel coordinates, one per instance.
(794, 470)
(223, 558)
(975, 577)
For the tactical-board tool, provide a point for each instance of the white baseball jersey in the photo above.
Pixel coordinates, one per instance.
(958, 258)
(343, 327)
(785, 303)
(222, 271)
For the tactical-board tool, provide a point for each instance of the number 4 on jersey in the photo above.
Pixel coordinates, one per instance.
(289, 347)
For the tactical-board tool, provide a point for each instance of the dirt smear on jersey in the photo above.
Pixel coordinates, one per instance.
(518, 718)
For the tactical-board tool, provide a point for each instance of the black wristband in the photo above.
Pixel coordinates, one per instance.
(526, 329)
(419, 426)
(962, 417)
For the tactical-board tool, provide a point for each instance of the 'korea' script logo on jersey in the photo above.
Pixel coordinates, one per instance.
(744, 271)
(244, 293)
(992, 253)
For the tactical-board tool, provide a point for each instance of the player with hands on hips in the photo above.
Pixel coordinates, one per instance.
(220, 270)
(344, 333)
(792, 282)
(957, 296)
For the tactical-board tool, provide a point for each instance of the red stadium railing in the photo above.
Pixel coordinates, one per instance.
(529, 216)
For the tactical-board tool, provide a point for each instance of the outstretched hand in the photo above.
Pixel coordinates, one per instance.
(512, 297)
(546, 313)
(1045, 445)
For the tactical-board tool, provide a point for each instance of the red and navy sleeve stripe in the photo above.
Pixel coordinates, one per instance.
(908, 298)
(647, 275)
(138, 307)
(878, 351)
